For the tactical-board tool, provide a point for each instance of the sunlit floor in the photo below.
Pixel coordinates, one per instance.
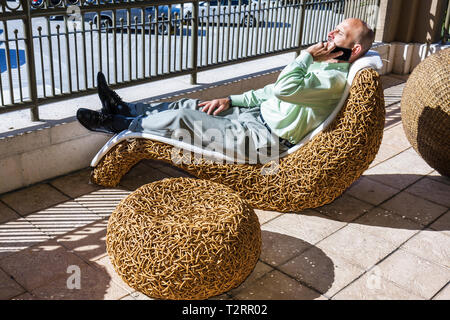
(386, 237)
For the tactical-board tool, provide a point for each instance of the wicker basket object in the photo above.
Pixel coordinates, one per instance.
(425, 109)
(314, 175)
(183, 238)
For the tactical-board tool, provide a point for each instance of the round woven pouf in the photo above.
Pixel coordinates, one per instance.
(183, 238)
(425, 109)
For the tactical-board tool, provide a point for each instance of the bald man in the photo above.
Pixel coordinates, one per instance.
(253, 125)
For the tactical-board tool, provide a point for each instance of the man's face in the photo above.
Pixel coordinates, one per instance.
(342, 35)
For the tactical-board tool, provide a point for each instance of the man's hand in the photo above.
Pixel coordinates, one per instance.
(219, 104)
(322, 52)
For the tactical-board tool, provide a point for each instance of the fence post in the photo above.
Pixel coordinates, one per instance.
(300, 31)
(31, 73)
(194, 48)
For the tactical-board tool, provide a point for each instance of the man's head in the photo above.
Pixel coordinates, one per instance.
(354, 34)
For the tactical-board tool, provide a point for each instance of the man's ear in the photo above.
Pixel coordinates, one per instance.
(357, 49)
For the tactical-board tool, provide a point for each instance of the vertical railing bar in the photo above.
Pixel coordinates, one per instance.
(121, 49)
(266, 26)
(92, 52)
(58, 38)
(228, 32)
(300, 25)
(129, 43)
(189, 27)
(201, 37)
(143, 41)
(76, 55)
(18, 65)
(234, 30)
(175, 42)
(8, 62)
(169, 39)
(213, 34)
(115, 44)
(99, 41)
(107, 51)
(277, 4)
(207, 35)
(50, 50)
(42, 60)
(247, 29)
(218, 33)
(136, 46)
(194, 36)
(150, 47)
(259, 24)
(273, 25)
(83, 37)
(181, 37)
(283, 19)
(163, 47)
(254, 44)
(156, 28)
(1, 82)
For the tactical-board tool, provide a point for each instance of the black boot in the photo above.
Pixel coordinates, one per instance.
(100, 122)
(111, 102)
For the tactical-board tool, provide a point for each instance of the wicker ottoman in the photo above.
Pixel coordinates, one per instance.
(183, 238)
(425, 110)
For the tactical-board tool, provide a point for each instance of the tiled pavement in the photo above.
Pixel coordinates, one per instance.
(386, 237)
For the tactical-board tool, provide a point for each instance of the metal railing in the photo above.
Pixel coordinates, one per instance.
(54, 48)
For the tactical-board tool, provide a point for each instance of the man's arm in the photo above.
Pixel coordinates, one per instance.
(295, 85)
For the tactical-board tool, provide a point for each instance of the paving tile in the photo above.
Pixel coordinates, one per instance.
(140, 296)
(278, 248)
(395, 137)
(438, 177)
(44, 262)
(308, 225)
(442, 223)
(94, 285)
(259, 271)
(387, 225)
(104, 265)
(444, 294)
(384, 153)
(417, 209)
(401, 170)
(264, 216)
(431, 190)
(327, 274)
(7, 214)
(345, 208)
(414, 274)
(8, 287)
(372, 286)
(371, 191)
(104, 201)
(62, 218)
(357, 247)
(276, 286)
(17, 235)
(430, 245)
(75, 184)
(140, 175)
(87, 242)
(33, 199)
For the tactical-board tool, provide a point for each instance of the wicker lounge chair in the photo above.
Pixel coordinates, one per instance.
(312, 176)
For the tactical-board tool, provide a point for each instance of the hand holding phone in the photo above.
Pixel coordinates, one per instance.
(346, 53)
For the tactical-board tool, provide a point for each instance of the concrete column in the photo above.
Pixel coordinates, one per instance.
(410, 20)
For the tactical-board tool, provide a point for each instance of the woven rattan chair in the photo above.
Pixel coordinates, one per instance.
(183, 238)
(425, 109)
(310, 177)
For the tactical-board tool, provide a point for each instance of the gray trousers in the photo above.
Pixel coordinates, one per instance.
(236, 132)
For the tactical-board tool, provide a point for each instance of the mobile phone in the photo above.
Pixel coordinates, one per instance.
(346, 53)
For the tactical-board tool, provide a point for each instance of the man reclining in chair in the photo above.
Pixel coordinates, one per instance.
(255, 124)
